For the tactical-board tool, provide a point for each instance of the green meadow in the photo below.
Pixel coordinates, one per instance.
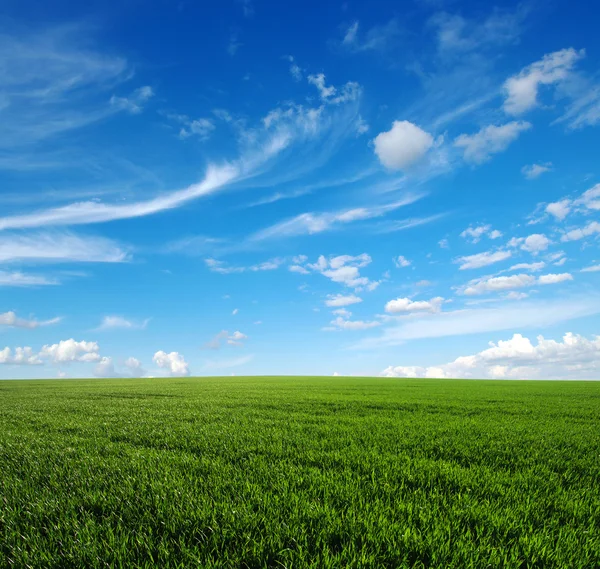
(299, 473)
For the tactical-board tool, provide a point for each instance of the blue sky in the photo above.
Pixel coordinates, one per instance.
(253, 187)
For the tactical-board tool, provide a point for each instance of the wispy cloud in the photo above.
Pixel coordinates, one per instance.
(379, 38)
(52, 82)
(122, 323)
(60, 248)
(312, 223)
(12, 320)
(507, 316)
(19, 279)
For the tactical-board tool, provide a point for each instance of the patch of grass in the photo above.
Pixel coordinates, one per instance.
(299, 473)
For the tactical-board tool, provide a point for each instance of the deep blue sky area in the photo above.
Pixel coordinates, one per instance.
(256, 187)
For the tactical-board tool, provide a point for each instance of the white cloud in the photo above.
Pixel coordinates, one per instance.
(592, 228)
(23, 279)
(134, 367)
(319, 82)
(202, 128)
(53, 81)
(298, 269)
(474, 234)
(344, 270)
(576, 357)
(342, 312)
(222, 267)
(71, 351)
(116, 322)
(405, 305)
(11, 319)
(491, 139)
(559, 209)
(60, 248)
(173, 362)
(509, 315)
(295, 70)
(313, 223)
(403, 145)
(443, 243)
(378, 38)
(236, 338)
(497, 284)
(534, 267)
(591, 269)
(105, 368)
(21, 356)
(341, 323)
(522, 89)
(342, 300)
(533, 171)
(457, 35)
(235, 311)
(555, 278)
(535, 243)
(134, 103)
(361, 125)
(401, 261)
(589, 200)
(482, 259)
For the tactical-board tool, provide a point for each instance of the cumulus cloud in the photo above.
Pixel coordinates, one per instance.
(533, 171)
(559, 209)
(535, 243)
(134, 367)
(534, 267)
(332, 96)
(588, 201)
(591, 269)
(403, 145)
(497, 284)
(575, 357)
(555, 278)
(522, 89)
(12, 320)
(479, 147)
(105, 368)
(341, 269)
(592, 228)
(334, 300)
(401, 261)
(173, 362)
(236, 338)
(71, 351)
(474, 233)
(482, 259)
(406, 305)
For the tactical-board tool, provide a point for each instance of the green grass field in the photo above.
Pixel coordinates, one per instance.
(299, 472)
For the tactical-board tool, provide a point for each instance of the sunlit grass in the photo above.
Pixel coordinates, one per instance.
(299, 472)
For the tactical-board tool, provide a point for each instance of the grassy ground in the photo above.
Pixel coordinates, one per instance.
(299, 473)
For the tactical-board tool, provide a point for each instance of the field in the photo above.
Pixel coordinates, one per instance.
(299, 473)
